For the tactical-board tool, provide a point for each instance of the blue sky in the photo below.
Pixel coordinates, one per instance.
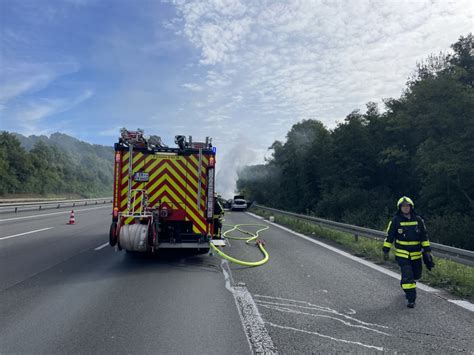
(240, 71)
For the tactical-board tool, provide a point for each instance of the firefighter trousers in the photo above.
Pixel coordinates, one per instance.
(217, 227)
(411, 271)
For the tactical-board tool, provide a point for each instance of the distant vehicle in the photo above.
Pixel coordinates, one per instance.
(239, 203)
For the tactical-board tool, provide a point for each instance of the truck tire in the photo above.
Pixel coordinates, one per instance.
(113, 234)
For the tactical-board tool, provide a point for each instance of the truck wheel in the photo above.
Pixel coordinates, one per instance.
(113, 234)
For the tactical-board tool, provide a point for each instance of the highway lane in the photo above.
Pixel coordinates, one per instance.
(59, 294)
(25, 255)
(314, 300)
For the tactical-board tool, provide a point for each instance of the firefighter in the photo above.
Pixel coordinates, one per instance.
(408, 231)
(218, 214)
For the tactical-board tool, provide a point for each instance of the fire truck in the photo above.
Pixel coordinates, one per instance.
(163, 196)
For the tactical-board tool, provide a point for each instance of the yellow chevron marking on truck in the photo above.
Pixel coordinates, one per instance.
(196, 162)
(170, 185)
(191, 176)
(172, 182)
(136, 167)
(195, 158)
(166, 189)
(138, 201)
(170, 168)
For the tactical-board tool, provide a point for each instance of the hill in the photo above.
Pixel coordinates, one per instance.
(58, 164)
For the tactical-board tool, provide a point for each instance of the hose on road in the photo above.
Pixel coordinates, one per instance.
(251, 237)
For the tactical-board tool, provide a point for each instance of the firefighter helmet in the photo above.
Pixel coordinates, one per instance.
(407, 200)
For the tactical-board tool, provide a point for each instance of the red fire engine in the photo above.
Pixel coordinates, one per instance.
(163, 196)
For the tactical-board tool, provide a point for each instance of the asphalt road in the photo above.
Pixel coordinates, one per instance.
(314, 300)
(63, 291)
(60, 295)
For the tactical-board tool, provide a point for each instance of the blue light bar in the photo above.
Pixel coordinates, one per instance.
(214, 149)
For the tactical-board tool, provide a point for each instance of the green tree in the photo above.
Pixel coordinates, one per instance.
(422, 145)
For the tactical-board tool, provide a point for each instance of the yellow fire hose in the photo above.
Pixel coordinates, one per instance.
(252, 237)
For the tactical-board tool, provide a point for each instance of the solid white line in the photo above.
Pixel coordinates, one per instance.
(52, 214)
(326, 336)
(18, 235)
(464, 304)
(258, 338)
(461, 303)
(101, 246)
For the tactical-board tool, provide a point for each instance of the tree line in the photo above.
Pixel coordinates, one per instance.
(421, 146)
(48, 168)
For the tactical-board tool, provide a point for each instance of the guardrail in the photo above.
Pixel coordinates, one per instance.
(30, 206)
(460, 255)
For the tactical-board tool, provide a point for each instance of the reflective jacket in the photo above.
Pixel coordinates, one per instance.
(409, 236)
(218, 210)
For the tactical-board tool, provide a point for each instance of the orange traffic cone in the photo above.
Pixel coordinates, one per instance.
(72, 219)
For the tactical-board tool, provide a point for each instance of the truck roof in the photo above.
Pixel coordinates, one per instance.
(185, 151)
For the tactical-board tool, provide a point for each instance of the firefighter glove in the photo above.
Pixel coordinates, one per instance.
(428, 260)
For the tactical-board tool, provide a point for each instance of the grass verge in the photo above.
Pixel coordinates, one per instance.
(454, 277)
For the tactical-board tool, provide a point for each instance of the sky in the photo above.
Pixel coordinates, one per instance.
(241, 72)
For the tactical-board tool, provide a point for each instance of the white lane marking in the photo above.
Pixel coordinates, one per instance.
(101, 246)
(252, 322)
(314, 307)
(20, 234)
(289, 310)
(464, 304)
(52, 214)
(294, 311)
(351, 311)
(461, 303)
(325, 336)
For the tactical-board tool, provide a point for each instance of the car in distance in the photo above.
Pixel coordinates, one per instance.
(239, 203)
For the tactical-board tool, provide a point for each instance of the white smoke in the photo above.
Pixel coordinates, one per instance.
(230, 162)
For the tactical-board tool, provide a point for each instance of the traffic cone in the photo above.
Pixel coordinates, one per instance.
(72, 219)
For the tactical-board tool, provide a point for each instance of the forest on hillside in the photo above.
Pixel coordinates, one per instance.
(58, 165)
(420, 145)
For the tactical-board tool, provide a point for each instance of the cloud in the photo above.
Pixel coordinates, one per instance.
(216, 38)
(220, 68)
(31, 114)
(268, 64)
(193, 87)
(111, 132)
(319, 59)
(23, 78)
